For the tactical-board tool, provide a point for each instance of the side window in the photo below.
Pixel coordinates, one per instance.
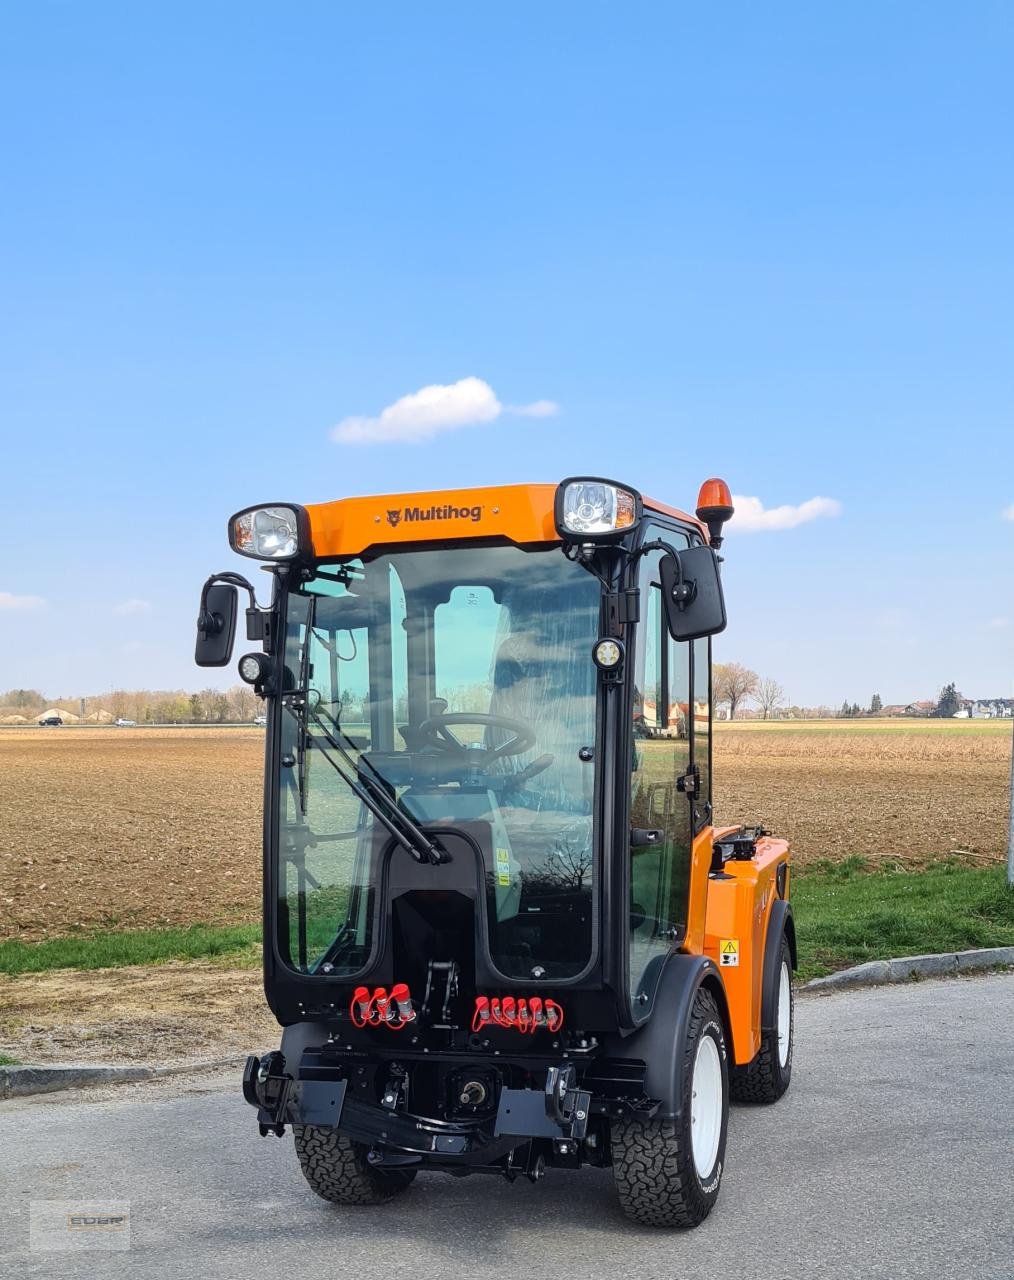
(659, 812)
(702, 726)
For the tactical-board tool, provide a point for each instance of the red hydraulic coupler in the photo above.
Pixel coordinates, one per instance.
(526, 1014)
(392, 1011)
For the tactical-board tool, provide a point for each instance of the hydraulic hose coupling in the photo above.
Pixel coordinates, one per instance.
(392, 1011)
(523, 1014)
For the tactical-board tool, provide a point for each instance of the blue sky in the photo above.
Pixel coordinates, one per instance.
(772, 243)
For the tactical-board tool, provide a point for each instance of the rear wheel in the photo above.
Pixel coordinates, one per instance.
(336, 1168)
(767, 1077)
(667, 1172)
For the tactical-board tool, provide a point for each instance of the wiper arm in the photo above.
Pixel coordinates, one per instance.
(409, 836)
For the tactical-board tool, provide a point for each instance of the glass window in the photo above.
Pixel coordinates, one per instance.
(702, 725)
(659, 866)
(396, 658)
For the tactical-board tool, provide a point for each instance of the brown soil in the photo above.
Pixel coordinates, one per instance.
(122, 828)
(165, 1013)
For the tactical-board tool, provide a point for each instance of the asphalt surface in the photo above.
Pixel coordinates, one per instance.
(892, 1155)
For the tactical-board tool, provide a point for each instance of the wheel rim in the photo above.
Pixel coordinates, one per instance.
(784, 1014)
(706, 1106)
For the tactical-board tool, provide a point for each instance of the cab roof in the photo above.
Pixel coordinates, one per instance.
(522, 513)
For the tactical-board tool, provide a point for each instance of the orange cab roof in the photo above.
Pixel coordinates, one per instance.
(522, 513)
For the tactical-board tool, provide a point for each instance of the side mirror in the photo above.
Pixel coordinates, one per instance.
(692, 594)
(216, 625)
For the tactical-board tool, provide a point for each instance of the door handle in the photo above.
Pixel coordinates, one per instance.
(642, 837)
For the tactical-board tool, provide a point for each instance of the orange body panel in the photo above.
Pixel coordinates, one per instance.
(521, 513)
(738, 908)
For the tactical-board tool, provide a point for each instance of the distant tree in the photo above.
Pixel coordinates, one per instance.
(242, 703)
(845, 710)
(22, 699)
(876, 706)
(733, 684)
(949, 701)
(194, 709)
(770, 696)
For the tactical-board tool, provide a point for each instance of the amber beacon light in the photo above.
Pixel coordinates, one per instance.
(714, 508)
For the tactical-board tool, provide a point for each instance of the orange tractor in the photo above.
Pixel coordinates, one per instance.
(501, 931)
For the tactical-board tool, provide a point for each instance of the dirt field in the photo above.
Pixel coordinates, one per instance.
(121, 828)
(180, 1011)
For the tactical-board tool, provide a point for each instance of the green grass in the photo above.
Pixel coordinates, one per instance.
(238, 944)
(6, 1061)
(846, 914)
(998, 728)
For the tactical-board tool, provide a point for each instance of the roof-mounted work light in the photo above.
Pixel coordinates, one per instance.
(714, 508)
(271, 532)
(590, 509)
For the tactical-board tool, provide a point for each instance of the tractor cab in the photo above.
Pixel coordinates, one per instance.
(489, 853)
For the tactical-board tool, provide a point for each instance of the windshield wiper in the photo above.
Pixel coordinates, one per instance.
(373, 794)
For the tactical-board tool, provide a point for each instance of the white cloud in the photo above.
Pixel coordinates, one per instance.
(20, 604)
(434, 409)
(998, 624)
(537, 409)
(752, 516)
(1007, 513)
(132, 606)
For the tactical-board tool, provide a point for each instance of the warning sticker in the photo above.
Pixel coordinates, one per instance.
(503, 868)
(728, 953)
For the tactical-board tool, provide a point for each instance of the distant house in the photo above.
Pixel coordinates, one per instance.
(920, 708)
(896, 709)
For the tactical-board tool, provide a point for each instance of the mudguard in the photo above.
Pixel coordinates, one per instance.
(300, 1036)
(659, 1043)
(780, 921)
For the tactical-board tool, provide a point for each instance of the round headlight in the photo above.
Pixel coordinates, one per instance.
(607, 654)
(251, 668)
(270, 533)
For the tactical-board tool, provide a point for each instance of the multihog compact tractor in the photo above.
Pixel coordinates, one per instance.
(501, 931)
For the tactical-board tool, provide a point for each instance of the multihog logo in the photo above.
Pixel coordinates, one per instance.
(414, 515)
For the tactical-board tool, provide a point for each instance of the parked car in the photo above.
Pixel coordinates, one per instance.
(50, 720)
(125, 724)
(260, 719)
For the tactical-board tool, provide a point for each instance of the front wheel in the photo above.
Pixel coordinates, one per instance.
(668, 1172)
(336, 1168)
(767, 1077)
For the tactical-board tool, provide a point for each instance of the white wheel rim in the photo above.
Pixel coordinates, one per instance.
(784, 1014)
(706, 1107)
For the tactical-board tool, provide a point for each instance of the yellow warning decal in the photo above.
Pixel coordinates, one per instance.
(728, 953)
(503, 868)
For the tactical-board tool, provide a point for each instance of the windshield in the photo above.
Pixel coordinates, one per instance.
(457, 686)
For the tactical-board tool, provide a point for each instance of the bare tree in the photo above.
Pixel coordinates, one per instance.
(734, 684)
(770, 695)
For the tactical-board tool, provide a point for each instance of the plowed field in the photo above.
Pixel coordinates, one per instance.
(122, 828)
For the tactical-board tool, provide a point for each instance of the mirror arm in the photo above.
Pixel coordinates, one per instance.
(683, 592)
(211, 624)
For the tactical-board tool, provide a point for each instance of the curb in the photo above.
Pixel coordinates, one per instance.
(23, 1082)
(877, 973)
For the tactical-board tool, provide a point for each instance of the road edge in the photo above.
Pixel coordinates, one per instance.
(877, 973)
(25, 1081)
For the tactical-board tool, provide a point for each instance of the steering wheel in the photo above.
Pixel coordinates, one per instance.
(436, 732)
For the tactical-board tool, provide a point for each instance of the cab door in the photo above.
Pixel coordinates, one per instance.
(660, 814)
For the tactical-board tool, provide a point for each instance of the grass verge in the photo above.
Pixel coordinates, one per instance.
(6, 1061)
(237, 944)
(847, 914)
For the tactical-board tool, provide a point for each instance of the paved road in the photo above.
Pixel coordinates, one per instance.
(891, 1157)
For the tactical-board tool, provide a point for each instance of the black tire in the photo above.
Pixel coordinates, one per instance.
(653, 1163)
(766, 1078)
(336, 1168)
